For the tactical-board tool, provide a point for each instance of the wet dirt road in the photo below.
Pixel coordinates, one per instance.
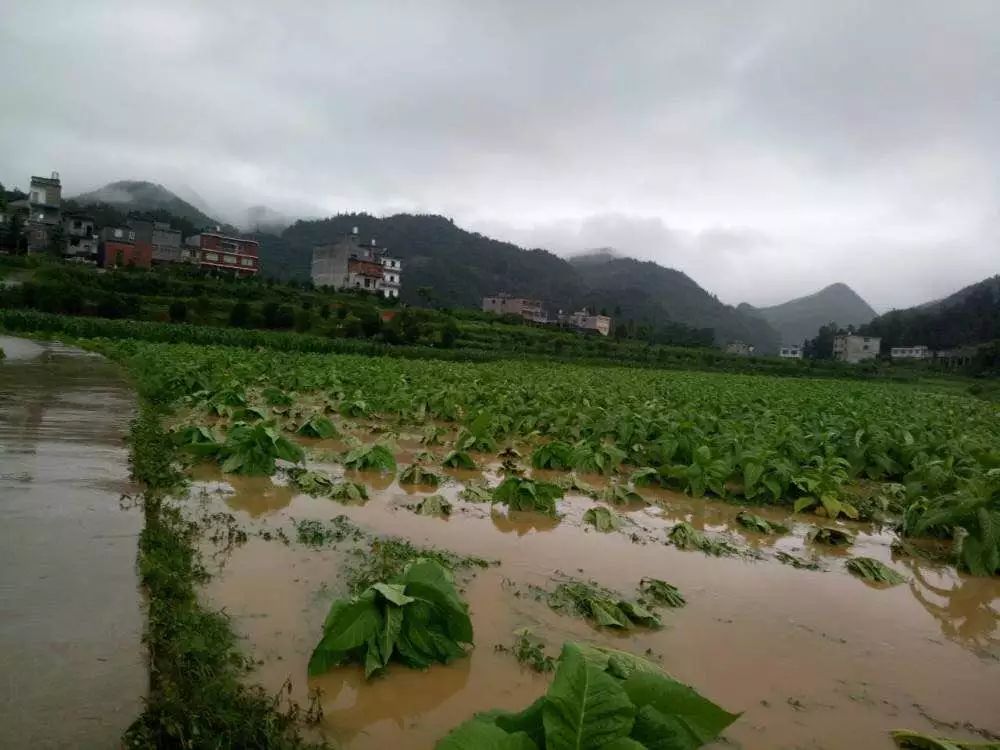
(72, 669)
(814, 659)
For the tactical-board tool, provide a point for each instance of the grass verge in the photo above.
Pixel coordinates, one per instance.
(197, 698)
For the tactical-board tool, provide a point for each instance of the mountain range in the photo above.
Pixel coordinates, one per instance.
(462, 267)
(799, 319)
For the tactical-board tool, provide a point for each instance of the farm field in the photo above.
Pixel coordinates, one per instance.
(815, 556)
(701, 476)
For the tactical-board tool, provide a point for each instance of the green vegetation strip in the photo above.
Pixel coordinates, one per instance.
(197, 698)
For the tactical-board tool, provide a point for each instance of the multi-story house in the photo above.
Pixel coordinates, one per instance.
(44, 211)
(504, 304)
(81, 237)
(220, 252)
(119, 248)
(164, 242)
(348, 264)
(792, 351)
(850, 347)
(584, 320)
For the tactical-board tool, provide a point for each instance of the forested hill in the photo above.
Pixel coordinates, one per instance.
(141, 196)
(642, 290)
(969, 316)
(799, 319)
(462, 267)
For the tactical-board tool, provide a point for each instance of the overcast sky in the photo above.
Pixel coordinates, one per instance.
(765, 148)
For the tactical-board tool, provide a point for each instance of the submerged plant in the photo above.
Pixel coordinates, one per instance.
(600, 698)
(530, 651)
(317, 426)
(754, 522)
(796, 562)
(874, 571)
(602, 519)
(417, 474)
(600, 605)
(831, 535)
(374, 457)
(477, 492)
(349, 493)
(416, 618)
(662, 592)
(906, 740)
(432, 505)
(685, 536)
(553, 455)
(619, 494)
(311, 482)
(458, 460)
(254, 449)
(518, 493)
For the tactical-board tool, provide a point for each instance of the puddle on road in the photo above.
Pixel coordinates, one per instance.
(71, 614)
(813, 659)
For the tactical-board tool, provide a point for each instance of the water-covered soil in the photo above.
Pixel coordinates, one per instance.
(814, 658)
(71, 613)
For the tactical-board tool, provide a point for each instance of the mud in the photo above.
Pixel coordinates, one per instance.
(71, 614)
(814, 659)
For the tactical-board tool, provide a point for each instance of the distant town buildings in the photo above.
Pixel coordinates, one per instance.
(584, 320)
(348, 264)
(504, 304)
(163, 241)
(853, 348)
(793, 351)
(740, 348)
(911, 352)
(220, 252)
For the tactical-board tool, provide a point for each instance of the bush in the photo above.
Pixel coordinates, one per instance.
(178, 312)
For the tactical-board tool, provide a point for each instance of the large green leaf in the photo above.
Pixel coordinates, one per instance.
(477, 734)
(678, 712)
(585, 707)
(348, 627)
(394, 592)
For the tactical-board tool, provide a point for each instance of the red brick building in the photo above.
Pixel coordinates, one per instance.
(211, 250)
(119, 248)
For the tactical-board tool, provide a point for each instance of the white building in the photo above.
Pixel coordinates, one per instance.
(791, 352)
(853, 348)
(348, 264)
(585, 321)
(741, 348)
(911, 352)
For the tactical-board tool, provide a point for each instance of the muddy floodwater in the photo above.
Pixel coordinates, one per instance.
(71, 662)
(813, 659)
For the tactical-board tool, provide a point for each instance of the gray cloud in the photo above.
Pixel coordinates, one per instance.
(766, 148)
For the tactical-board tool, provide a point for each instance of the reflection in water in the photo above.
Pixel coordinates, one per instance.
(966, 614)
(374, 480)
(256, 496)
(522, 522)
(351, 704)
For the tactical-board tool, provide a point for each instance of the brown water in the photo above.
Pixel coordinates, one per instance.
(813, 659)
(71, 617)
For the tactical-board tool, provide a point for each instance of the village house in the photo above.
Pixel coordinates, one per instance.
(349, 264)
(504, 304)
(849, 347)
(118, 248)
(793, 351)
(44, 211)
(82, 242)
(220, 252)
(911, 352)
(164, 242)
(740, 348)
(584, 320)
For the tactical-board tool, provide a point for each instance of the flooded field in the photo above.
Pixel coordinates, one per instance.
(814, 659)
(71, 617)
